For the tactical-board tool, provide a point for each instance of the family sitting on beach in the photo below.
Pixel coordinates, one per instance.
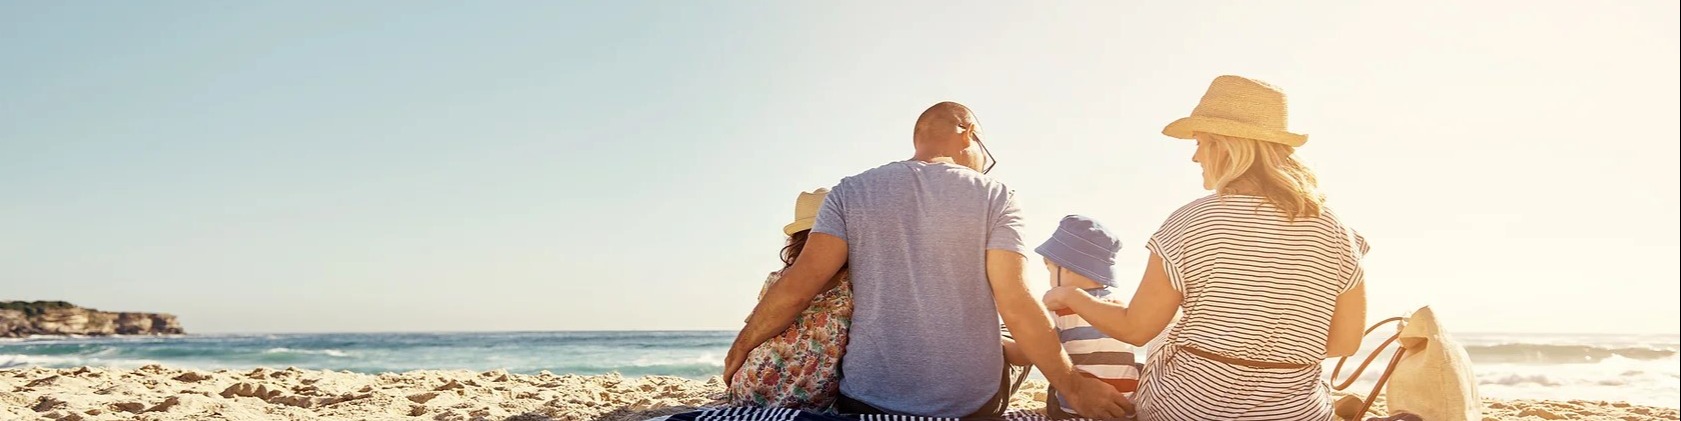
(895, 279)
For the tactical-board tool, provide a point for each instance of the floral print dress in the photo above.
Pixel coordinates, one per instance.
(801, 367)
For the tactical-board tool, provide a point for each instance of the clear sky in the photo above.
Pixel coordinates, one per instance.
(404, 166)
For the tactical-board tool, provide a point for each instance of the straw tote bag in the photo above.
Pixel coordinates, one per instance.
(1429, 375)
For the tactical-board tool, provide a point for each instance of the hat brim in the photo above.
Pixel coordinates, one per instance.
(798, 225)
(1184, 128)
(1101, 272)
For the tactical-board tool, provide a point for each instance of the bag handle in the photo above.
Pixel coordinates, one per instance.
(1369, 357)
(1377, 388)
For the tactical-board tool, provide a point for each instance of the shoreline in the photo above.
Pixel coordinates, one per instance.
(161, 393)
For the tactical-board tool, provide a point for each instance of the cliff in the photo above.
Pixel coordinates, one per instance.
(25, 318)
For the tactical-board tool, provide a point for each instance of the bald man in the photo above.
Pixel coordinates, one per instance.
(936, 256)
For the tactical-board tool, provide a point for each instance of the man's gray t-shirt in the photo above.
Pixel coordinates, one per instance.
(924, 338)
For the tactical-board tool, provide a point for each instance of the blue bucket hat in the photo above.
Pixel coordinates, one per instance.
(1082, 245)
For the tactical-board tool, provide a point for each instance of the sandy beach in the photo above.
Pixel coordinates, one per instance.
(158, 393)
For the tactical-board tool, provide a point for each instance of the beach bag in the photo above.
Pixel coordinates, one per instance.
(1429, 375)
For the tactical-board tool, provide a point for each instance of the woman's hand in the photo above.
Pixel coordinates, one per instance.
(1059, 297)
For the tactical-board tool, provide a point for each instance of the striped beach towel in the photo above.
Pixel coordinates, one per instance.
(783, 414)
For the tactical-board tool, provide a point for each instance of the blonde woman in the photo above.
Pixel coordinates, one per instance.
(1267, 277)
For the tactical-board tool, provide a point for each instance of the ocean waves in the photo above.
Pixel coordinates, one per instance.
(1565, 354)
(685, 354)
(326, 352)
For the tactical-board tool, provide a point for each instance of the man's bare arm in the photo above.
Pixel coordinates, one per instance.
(811, 274)
(1025, 317)
(1037, 338)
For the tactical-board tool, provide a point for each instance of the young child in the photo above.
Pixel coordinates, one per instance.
(1081, 253)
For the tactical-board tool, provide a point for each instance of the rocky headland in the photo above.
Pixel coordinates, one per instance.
(30, 318)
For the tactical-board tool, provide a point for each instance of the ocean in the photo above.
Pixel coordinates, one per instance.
(1640, 369)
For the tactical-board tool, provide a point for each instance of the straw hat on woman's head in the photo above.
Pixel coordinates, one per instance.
(805, 210)
(1237, 106)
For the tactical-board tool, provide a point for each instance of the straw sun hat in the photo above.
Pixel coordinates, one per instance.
(1239, 107)
(805, 210)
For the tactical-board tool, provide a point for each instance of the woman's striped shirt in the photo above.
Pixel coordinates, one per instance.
(1256, 287)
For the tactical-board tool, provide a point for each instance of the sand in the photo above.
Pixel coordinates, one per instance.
(159, 393)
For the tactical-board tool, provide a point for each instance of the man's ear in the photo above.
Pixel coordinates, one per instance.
(966, 132)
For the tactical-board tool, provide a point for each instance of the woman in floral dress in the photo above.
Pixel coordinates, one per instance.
(801, 367)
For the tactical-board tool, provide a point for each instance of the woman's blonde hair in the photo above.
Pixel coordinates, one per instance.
(1265, 169)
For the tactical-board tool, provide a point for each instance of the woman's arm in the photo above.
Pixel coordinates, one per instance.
(1348, 323)
(1153, 306)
